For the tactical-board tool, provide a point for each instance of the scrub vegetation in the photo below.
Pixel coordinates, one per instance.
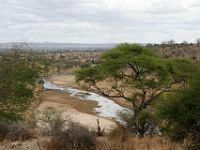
(161, 89)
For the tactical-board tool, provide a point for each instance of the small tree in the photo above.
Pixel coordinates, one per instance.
(185, 43)
(133, 67)
(171, 42)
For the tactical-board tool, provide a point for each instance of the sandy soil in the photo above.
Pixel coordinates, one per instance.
(87, 120)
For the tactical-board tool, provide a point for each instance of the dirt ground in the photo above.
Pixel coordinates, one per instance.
(74, 102)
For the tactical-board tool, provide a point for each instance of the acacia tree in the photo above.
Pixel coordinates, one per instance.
(133, 67)
(171, 42)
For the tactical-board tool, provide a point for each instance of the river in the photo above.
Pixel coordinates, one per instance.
(106, 107)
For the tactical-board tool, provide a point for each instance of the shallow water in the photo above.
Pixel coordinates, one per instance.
(106, 107)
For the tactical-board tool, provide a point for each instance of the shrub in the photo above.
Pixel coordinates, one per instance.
(76, 137)
(64, 133)
(146, 124)
(15, 131)
(3, 130)
(180, 113)
(18, 131)
(53, 121)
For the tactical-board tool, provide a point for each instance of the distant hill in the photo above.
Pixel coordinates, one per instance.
(57, 46)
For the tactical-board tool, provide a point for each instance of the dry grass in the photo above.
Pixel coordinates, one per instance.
(76, 137)
(119, 139)
(136, 143)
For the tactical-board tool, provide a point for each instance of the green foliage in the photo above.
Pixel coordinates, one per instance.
(136, 68)
(9, 116)
(90, 73)
(140, 67)
(181, 112)
(146, 124)
(17, 81)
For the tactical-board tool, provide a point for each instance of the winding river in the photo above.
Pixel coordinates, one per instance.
(106, 107)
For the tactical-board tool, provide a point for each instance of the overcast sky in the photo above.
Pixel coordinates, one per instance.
(99, 21)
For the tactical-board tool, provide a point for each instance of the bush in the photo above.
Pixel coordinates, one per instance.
(76, 137)
(3, 130)
(53, 121)
(18, 131)
(65, 134)
(15, 131)
(146, 124)
(180, 113)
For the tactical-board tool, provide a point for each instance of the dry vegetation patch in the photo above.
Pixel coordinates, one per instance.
(135, 143)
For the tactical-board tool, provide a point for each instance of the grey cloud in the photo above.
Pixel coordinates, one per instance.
(99, 21)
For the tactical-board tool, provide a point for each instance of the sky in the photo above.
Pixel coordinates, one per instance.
(99, 21)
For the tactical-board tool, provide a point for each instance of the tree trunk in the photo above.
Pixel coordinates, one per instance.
(134, 125)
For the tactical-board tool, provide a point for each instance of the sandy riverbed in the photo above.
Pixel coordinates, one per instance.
(79, 110)
(66, 99)
(64, 80)
(69, 80)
